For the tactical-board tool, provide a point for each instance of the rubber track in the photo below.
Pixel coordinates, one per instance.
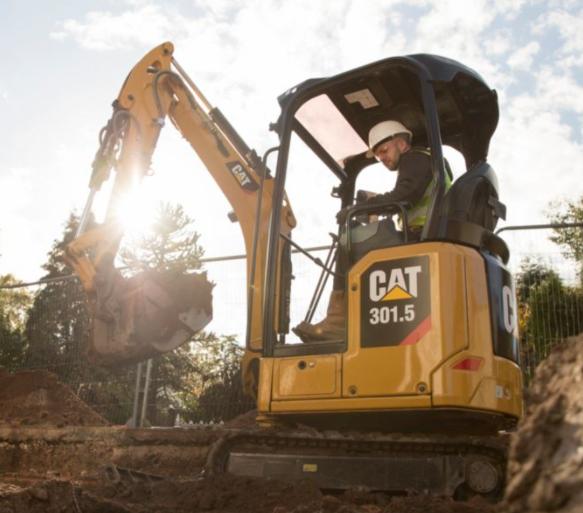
(493, 447)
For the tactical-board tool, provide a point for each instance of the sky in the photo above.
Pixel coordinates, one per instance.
(66, 60)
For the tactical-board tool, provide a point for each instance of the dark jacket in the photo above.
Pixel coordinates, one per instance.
(414, 176)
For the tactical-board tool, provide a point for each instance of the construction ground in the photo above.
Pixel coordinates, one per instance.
(59, 456)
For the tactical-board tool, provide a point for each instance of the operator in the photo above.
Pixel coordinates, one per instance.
(391, 143)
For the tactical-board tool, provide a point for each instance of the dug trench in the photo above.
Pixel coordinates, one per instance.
(55, 452)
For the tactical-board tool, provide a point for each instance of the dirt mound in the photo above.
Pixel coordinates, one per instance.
(47, 497)
(221, 494)
(357, 502)
(56, 497)
(545, 470)
(38, 398)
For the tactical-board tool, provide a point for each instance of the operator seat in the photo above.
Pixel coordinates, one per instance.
(471, 210)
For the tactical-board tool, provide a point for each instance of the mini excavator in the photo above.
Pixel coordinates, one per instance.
(427, 376)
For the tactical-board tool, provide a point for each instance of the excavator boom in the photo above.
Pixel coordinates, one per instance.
(156, 311)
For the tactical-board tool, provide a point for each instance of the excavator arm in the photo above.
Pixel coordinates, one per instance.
(155, 312)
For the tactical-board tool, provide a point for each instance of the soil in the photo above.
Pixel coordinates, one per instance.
(221, 494)
(545, 470)
(37, 398)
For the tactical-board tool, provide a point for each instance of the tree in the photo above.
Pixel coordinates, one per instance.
(570, 239)
(57, 335)
(532, 273)
(58, 323)
(14, 302)
(221, 397)
(181, 378)
(57, 330)
(170, 244)
(549, 311)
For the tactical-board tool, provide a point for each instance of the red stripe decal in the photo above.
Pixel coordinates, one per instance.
(417, 333)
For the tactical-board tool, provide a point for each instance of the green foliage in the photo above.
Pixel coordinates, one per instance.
(50, 331)
(201, 381)
(14, 303)
(549, 311)
(224, 400)
(181, 379)
(58, 323)
(12, 348)
(218, 379)
(570, 239)
(532, 273)
(57, 334)
(556, 312)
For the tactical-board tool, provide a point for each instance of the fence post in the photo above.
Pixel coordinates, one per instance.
(133, 422)
(146, 390)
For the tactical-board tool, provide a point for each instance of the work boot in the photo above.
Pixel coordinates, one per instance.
(331, 327)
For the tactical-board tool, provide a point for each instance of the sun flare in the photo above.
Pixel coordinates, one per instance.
(137, 214)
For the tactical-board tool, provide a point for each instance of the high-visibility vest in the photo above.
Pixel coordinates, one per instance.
(417, 214)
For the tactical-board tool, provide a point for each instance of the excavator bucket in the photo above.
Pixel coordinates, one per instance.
(146, 315)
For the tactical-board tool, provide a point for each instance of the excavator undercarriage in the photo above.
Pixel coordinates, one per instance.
(434, 464)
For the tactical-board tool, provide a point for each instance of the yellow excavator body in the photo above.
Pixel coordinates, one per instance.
(444, 361)
(429, 357)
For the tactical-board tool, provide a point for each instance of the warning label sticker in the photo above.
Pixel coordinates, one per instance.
(364, 97)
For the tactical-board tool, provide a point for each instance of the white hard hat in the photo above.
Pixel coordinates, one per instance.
(384, 131)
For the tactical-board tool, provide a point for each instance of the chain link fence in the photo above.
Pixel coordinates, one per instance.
(44, 328)
(549, 292)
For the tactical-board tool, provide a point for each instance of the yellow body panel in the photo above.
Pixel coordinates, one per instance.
(349, 405)
(264, 385)
(497, 384)
(400, 370)
(418, 376)
(307, 377)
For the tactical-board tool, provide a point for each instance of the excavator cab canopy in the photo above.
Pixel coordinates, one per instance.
(440, 100)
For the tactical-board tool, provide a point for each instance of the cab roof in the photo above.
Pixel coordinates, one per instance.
(334, 115)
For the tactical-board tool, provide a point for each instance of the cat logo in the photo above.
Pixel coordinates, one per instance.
(242, 176)
(395, 302)
(401, 283)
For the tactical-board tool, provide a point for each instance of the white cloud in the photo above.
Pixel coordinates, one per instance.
(242, 54)
(58, 35)
(17, 206)
(558, 89)
(498, 44)
(102, 30)
(522, 58)
(563, 4)
(570, 29)
(534, 152)
(509, 9)
(220, 9)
